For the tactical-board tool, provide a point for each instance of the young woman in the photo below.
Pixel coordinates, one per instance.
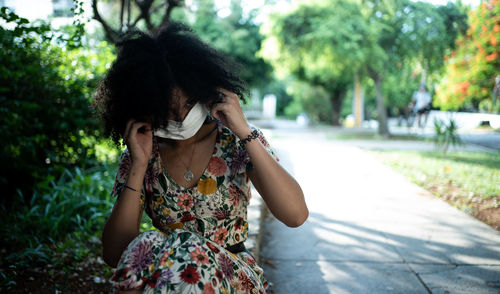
(189, 161)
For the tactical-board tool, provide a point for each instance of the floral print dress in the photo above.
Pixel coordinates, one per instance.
(187, 254)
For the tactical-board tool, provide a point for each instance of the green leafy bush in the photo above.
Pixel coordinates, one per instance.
(46, 84)
(60, 214)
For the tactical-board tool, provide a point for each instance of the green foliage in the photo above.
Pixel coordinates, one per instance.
(446, 135)
(407, 35)
(471, 68)
(490, 105)
(325, 44)
(429, 32)
(399, 86)
(320, 43)
(46, 83)
(312, 100)
(302, 42)
(237, 36)
(455, 20)
(70, 209)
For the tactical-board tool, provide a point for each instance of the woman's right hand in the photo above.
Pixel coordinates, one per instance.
(139, 143)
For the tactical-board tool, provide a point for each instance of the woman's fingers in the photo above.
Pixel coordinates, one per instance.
(226, 101)
(147, 127)
(226, 92)
(136, 126)
(126, 134)
(139, 141)
(222, 107)
(228, 96)
(133, 128)
(229, 112)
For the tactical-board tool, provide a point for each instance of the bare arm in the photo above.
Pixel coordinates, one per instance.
(280, 191)
(123, 224)
(278, 188)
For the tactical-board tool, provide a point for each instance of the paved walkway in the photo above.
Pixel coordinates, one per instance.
(372, 231)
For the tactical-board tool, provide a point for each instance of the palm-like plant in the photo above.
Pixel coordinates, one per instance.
(446, 134)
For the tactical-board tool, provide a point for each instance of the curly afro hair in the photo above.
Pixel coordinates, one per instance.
(140, 83)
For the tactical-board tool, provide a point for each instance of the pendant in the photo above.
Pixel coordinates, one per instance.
(188, 176)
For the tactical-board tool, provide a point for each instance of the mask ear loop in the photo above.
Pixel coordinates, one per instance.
(156, 150)
(155, 145)
(157, 160)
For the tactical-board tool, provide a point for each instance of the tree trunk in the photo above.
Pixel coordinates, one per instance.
(357, 102)
(336, 102)
(383, 129)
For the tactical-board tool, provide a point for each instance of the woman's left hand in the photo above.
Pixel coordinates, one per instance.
(229, 112)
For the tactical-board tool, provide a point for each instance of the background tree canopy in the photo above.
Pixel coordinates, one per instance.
(472, 67)
(237, 35)
(320, 44)
(325, 43)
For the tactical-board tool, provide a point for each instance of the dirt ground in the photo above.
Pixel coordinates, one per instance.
(88, 276)
(485, 210)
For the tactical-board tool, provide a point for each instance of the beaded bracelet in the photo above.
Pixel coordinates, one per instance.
(253, 135)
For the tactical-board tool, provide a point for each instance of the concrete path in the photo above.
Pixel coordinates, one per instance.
(371, 231)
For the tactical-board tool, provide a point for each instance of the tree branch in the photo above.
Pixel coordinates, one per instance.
(128, 13)
(122, 8)
(144, 7)
(111, 34)
(171, 4)
(140, 16)
(145, 12)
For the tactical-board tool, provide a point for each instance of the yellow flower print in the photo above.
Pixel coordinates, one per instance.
(207, 186)
(175, 226)
(232, 254)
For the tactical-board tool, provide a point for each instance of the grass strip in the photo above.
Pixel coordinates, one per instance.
(469, 181)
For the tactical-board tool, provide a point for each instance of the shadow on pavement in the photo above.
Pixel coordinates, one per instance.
(332, 256)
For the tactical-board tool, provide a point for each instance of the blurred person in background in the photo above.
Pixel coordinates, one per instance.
(421, 101)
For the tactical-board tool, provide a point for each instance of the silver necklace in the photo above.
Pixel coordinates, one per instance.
(188, 175)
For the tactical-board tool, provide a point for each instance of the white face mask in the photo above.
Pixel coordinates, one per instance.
(188, 127)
